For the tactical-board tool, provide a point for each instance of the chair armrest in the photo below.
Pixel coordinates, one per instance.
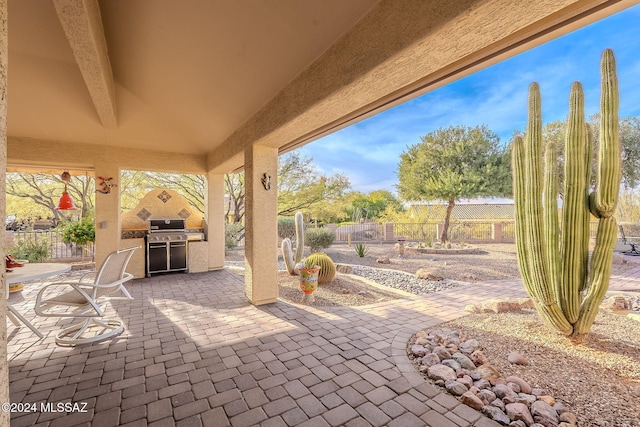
(85, 300)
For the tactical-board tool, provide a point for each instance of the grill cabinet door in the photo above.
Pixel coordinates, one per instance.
(177, 256)
(157, 260)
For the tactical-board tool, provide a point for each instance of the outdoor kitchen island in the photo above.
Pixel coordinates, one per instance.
(170, 233)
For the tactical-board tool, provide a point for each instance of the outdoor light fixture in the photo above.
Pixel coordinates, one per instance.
(65, 203)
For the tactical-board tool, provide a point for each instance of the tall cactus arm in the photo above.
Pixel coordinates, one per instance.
(519, 195)
(550, 208)
(609, 154)
(599, 277)
(533, 220)
(575, 244)
(299, 220)
(287, 256)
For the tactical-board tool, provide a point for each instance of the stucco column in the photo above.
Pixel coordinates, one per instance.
(108, 225)
(4, 365)
(215, 219)
(261, 225)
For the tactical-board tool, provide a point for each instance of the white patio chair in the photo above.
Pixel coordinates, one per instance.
(82, 299)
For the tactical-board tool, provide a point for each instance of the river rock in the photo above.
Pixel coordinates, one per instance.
(617, 304)
(344, 268)
(418, 350)
(482, 384)
(524, 386)
(469, 346)
(513, 386)
(496, 415)
(544, 414)
(488, 372)
(487, 396)
(517, 423)
(568, 417)
(430, 360)
(502, 391)
(442, 352)
(478, 358)
(517, 359)
(452, 364)
(519, 411)
(441, 372)
(537, 392)
(548, 399)
(456, 388)
(422, 341)
(498, 404)
(430, 274)
(471, 400)
(527, 399)
(464, 361)
(466, 380)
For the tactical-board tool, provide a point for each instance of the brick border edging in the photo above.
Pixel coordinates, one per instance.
(401, 360)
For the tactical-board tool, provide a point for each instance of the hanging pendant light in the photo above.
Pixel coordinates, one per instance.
(65, 203)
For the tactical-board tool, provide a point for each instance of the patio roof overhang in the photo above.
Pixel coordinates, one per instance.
(211, 78)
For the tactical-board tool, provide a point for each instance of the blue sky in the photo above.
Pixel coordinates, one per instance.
(368, 152)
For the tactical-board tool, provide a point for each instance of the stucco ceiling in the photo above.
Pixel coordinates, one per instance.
(187, 74)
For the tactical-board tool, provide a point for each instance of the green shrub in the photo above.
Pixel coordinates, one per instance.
(79, 233)
(319, 238)
(33, 249)
(287, 227)
(361, 249)
(231, 234)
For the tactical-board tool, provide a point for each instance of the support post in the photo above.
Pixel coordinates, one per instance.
(261, 226)
(215, 219)
(108, 222)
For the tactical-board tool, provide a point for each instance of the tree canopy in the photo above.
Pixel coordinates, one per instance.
(454, 163)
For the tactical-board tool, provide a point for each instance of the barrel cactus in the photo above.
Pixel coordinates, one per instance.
(287, 250)
(553, 259)
(327, 267)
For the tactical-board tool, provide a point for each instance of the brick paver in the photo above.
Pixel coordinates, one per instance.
(195, 352)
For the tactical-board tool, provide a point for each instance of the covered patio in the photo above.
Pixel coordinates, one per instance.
(197, 353)
(211, 87)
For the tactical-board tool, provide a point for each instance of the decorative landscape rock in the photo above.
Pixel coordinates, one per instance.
(430, 274)
(441, 372)
(344, 268)
(472, 400)
(517, 359)
(519, 411)
(457, 364)
(503, 305)
(383, 260)
(524, 386)
(616, 304)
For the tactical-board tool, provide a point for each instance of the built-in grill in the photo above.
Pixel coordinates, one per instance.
(167, 249)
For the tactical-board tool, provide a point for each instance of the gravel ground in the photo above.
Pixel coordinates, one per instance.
(599, 380)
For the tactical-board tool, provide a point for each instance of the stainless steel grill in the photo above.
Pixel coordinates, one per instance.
(167, 249)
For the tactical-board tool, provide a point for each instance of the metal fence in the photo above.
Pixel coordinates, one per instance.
(58, 248)
(365, 232)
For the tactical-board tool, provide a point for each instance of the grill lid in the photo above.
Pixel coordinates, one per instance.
(163, 225)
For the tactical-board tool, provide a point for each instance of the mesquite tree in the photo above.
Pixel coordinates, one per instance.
(554, 260)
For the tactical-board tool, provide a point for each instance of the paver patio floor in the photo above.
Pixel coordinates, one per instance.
(196, 353)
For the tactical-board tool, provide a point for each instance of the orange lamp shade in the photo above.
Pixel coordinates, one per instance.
(66, 203)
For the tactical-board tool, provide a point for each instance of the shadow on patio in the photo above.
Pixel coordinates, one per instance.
(195, 352)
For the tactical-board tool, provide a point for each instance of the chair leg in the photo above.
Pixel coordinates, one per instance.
(17, 318)
(72, 335)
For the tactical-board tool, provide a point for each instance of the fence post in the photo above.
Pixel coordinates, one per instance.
(389, 232)
(334, 229)
(496, 232)
(438, 231)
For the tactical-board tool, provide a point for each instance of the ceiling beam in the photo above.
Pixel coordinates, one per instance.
(82, 25)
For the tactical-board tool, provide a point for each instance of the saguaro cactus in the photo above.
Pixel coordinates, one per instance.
(287, 251)
(554, 259)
